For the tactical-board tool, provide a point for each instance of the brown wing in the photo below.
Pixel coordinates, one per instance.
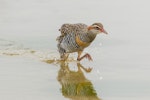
(73, 28)
(78, 28)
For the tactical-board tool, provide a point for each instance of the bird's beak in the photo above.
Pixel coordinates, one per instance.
(104, 31)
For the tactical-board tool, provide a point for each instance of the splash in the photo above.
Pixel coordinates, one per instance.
(11, 48)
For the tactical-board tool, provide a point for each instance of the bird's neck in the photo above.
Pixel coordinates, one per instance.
(87, 37)
(91, 36)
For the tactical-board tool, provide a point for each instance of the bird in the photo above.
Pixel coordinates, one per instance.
(77, 37)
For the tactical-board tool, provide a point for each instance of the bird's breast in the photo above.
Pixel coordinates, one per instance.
(80, 42)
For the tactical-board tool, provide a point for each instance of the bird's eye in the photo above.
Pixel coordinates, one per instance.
(97, 28)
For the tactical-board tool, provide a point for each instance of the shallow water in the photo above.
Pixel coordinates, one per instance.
(30, 68)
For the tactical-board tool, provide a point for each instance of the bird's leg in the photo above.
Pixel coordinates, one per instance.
(79, 54)
(88, 56)
(84, 56)
(64, 56)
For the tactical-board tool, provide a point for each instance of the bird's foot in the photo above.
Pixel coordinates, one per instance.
(88, 56)
(64, 57)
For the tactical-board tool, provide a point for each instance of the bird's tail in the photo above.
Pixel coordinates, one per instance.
(62, 52)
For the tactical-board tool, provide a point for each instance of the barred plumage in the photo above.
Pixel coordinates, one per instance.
(73, 28)
(76, 37)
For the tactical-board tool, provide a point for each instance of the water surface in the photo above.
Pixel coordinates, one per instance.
(28, 53)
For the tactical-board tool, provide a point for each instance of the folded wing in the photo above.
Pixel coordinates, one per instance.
(78, 28)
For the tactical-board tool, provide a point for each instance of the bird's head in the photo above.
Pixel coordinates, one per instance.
(97, 28)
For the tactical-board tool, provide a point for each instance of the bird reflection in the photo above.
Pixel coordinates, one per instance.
(75, 85)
